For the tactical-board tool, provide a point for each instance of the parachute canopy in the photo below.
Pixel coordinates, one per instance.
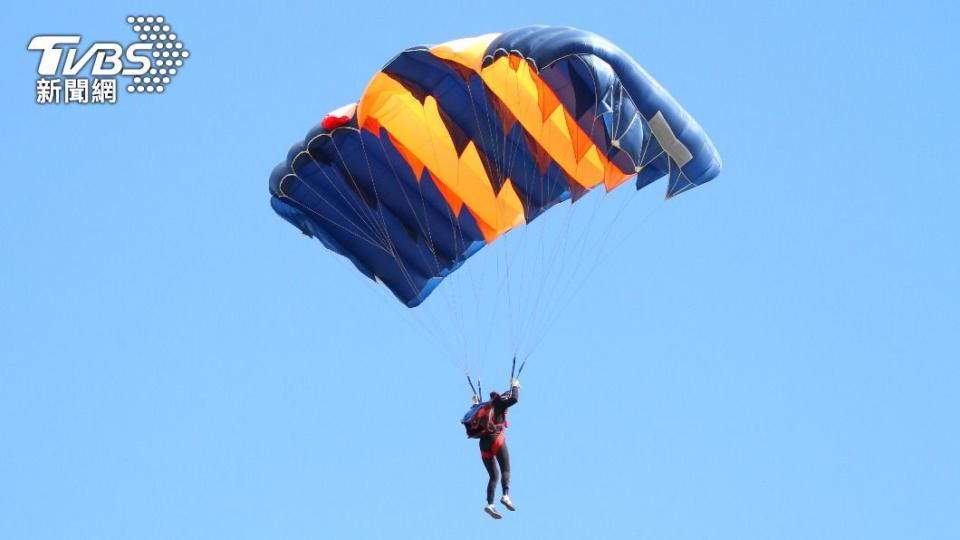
(453, 145)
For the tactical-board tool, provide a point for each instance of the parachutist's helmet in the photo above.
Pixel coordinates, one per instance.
(494, 396)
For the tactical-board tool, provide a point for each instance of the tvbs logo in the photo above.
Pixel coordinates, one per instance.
(107, 57)
(150, 63)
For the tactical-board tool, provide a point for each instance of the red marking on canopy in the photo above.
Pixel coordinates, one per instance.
(332, 122)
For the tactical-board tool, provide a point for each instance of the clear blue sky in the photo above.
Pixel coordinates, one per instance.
(772, 355)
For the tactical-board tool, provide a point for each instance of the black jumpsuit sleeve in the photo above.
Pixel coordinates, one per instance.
(514, 397)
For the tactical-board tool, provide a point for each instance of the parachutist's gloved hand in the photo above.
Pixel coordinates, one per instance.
(514, 383)
(475, 399)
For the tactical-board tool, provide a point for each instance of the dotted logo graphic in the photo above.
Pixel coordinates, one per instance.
(71, 73)
(168, 53)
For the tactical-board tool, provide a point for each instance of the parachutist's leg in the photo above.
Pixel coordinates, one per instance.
(492, 482)
(503, 458)
(487, 453)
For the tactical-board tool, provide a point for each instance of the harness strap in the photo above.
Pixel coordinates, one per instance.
(497, 443)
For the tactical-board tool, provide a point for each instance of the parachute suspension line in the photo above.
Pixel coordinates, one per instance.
(548, 269)
(577, 254)
(510, 304)
(424, 229)
(388, 240)
(345, 171)
(602, 254)
(487, 132)
(584, 237)
(566, 292)
(505, 257)
(518, 308)
(451, 292)
(423, 226)
(549, 272)
(383, 223)
(378, 241)
(359, 232)
(428, 329)
(452, 307)
(381, 234)
(453, 318)
(561, 247)
(471, 385)
(516, 304)
(476, 287)
(381, 292)
(567, 249)
(456, 293)
(508, 258)
(502, 162)
(626, 234)
(514, 259)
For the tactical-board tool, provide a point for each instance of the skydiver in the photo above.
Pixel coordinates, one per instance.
(493, 445)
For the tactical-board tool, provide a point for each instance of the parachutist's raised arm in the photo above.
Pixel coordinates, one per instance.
(514, 396)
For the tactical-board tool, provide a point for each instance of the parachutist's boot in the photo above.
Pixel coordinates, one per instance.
(492, 511)
(505, 500)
